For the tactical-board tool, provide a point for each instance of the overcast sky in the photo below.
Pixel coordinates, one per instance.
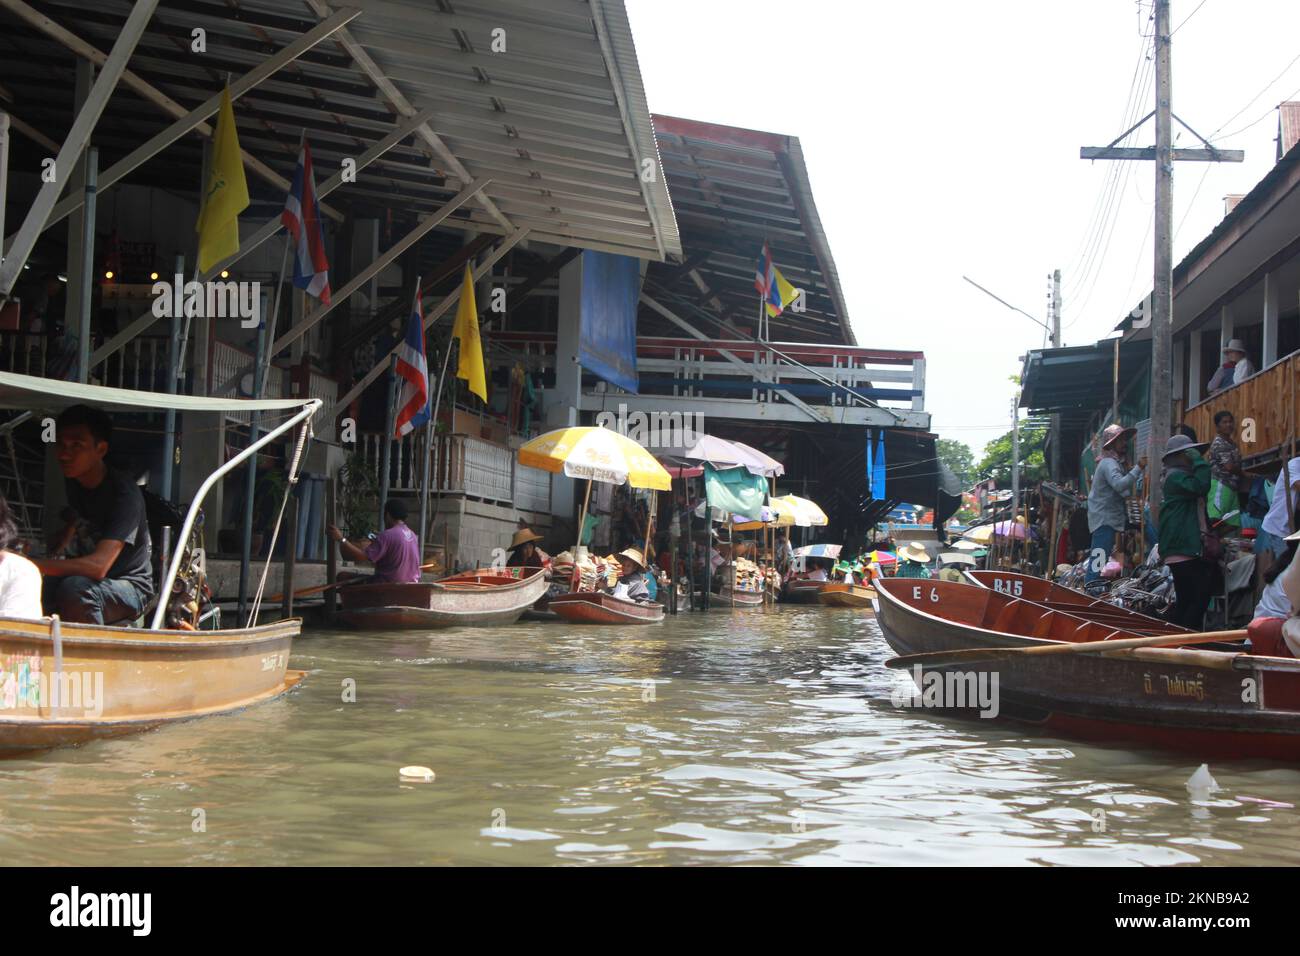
(943, 140)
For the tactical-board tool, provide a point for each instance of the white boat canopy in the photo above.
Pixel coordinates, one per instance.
(30, 392)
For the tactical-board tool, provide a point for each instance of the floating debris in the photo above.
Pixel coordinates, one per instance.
(1202, 783)
(416, 774)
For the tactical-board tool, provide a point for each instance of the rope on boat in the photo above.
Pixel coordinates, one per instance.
(256, 606)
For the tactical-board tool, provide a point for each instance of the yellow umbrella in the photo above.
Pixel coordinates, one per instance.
(597, 454)
(791, 510)
(981, 535)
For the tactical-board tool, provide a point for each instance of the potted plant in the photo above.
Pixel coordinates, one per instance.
(358, 496)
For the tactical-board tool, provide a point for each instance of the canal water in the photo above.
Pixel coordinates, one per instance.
(745, 737)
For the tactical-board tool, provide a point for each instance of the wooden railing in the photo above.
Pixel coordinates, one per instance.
(461, 464)
(1265, 407)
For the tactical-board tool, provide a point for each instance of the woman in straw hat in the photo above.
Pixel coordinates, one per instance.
(913, 561)
(632, 583)
(1187, 482)
(1236, 368)
(1110, 486)
(524, 552)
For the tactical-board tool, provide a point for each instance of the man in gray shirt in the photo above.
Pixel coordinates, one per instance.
(1110, 486)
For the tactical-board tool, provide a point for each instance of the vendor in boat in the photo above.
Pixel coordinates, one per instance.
(1270, 632)
(1187, 481)
(20, 581)
(524, 552)
(114, 582)
(395, 551)
(633, 584)
(913, 561)
(1111, 485)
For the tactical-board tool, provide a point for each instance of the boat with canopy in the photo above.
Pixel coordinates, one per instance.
(78, 682)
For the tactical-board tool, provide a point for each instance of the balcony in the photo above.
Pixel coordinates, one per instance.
(1267, 401)
(460, 465)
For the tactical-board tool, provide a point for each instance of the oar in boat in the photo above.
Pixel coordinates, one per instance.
(322, 588)
(937, 658)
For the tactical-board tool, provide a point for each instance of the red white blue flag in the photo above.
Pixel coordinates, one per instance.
(764, 274)
(301, 216)
(413, 369)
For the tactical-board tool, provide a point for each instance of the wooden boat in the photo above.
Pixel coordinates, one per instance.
(1213, 700)
(67, 683)
(724, 598)
(113, 681)
(801, 591)
(480, 598)
(847, 595)
(597, 607)
(1055, 596)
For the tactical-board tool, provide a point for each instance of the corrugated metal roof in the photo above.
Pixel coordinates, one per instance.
(733, 189)
(557, 119)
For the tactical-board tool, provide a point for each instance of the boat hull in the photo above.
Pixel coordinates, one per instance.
(119, 680)
(802, 592)
(593, 607)
(730, 598)
(847, 595)
(481, 598)
(1052, 595)
(1183, 699)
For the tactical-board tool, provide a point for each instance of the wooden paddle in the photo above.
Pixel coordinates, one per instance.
(322, 588)
(1089, 647)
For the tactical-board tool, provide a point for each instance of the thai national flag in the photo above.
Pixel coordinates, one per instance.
(764, 274)
(301, 216)
(413, 370)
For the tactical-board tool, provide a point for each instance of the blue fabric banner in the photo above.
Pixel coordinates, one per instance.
(611, 285)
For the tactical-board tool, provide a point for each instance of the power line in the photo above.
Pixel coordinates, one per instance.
(1251, 101)
(1188, 17)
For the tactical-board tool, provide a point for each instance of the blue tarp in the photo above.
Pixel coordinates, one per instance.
(611, 285)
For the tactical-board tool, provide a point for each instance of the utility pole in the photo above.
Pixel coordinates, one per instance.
(1015, 456)
(1162, 296)
(1164, 155)
(1056, 309)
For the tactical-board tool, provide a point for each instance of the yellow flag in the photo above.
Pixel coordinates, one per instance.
(784, 290)
(226, 195)
(470, 364)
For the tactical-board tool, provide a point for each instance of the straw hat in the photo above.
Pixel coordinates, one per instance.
(914, 551)
(1181, 443)
(522, 537)
(635, 556)
(1115, 434)
(1235, 345)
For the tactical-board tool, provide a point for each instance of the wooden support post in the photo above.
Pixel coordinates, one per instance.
(332, 551)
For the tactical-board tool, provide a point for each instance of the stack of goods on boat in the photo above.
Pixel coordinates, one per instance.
(748, 575)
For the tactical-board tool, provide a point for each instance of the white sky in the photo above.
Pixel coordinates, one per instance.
(943, 139)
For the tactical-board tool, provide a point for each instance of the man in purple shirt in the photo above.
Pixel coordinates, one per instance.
(395, 551)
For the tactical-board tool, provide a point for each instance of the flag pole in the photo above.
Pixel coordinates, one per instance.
(428, 441)
(432, 426)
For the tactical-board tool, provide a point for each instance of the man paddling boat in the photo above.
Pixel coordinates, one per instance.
(395, 551)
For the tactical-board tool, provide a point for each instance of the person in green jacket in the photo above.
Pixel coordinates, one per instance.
(913, 561)
(1187, 482)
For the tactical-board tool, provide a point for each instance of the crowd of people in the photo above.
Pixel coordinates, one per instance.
(1208, 499)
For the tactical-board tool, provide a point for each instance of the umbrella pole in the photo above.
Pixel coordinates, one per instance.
(582, 523)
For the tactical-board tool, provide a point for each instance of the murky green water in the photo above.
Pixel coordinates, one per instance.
(752, 737)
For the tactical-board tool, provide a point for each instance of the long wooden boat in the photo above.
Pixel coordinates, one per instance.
(482, 597)
(70, 683)
(597, 607)
(847, 595)
(1055, 596)
(801, 591)
(730, 597)
(67, 683)
(1212, 701)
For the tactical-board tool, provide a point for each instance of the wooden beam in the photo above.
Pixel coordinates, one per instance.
(1149, 152)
